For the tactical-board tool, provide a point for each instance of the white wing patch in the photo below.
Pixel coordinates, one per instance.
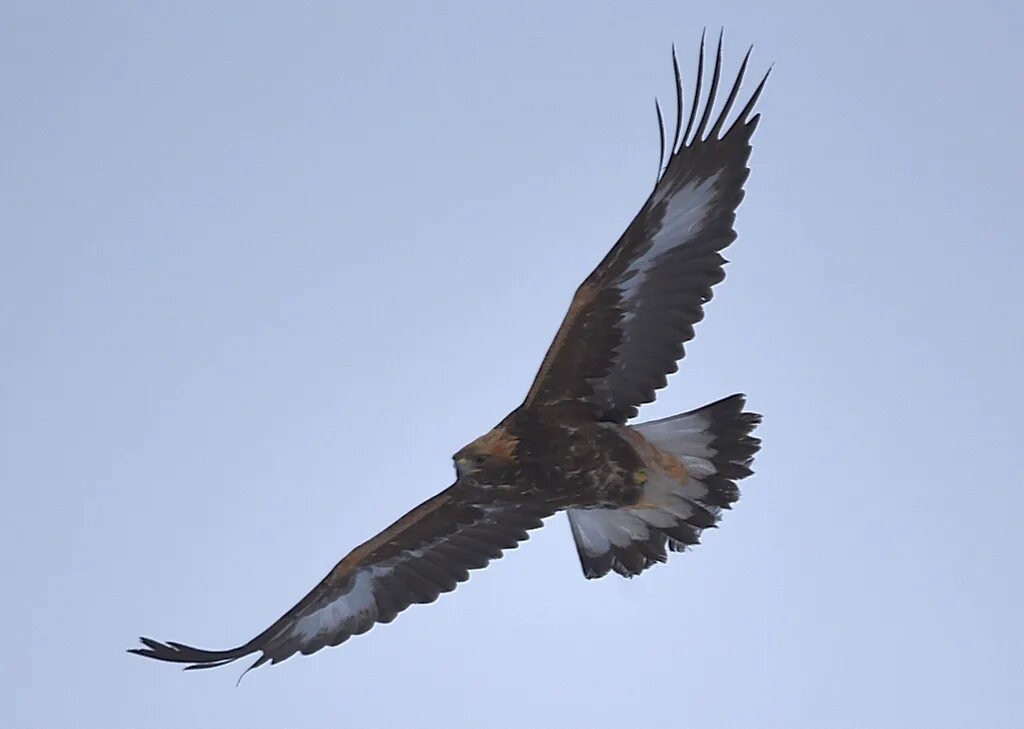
(685, 213)
(357, 605)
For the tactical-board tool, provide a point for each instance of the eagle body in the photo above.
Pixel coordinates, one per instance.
(633, 492)
(554, 455)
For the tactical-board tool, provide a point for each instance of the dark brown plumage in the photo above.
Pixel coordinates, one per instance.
(633, 492)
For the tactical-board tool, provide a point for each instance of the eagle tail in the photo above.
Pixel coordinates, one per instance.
(715, 446)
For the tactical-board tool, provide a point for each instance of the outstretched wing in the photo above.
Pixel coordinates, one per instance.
(426, 552)
(627, 323)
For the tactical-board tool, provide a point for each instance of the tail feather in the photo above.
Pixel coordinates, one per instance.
(714, 445)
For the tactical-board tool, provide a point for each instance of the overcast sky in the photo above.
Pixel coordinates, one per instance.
(264, 271)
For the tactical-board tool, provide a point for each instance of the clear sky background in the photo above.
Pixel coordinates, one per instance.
(264, 270)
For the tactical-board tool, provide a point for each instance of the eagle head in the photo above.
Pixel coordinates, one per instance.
(488, 460)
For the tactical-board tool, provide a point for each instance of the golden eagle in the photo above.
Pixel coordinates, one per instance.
(632, 492)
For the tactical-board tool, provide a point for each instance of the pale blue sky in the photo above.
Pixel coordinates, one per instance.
(263, 271)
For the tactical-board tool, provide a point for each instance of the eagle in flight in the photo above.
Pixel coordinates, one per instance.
(632, 492)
